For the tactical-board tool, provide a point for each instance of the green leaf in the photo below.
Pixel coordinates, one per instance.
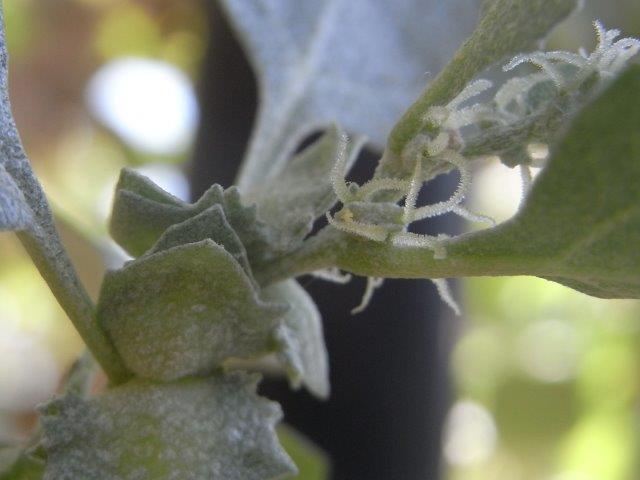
(506, 28)
(142, 212)
(301, 339)
(215, 428)
(262, 241)
(581, 222)
(24, 208)
(580, 225)
(301, 189)
(357, 62)
(210, 224)
(184, 311)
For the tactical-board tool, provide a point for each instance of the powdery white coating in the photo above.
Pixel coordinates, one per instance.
(184, 311)
(301, 339)
(215, 428)
(357, 62)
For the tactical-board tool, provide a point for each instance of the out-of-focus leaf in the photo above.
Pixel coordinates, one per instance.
(184, 311)
(312, 462)
(359, 63)
(301, 339)
(215, 428)
(506, 28)
(580, 225)
(301, 189)
(16, 464)
(25, 208)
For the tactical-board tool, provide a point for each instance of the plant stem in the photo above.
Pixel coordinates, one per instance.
(75, 301)
(353, 254)
(316, 253)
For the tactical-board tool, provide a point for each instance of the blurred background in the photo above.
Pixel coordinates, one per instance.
(546, 380)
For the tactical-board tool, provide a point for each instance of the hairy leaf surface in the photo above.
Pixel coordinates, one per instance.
(210, 224)
(184, 311)
(301, 189)
(302, 347)
(580, 225)
(215, 428)
(581, 222)
(506, 28)
(142, 212)
(359, 63)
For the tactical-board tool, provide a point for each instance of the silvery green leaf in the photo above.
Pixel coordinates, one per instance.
(301, 191)
(137, 222)
(142, 212)
(262, 241)
(301, 339)
(580, 224)
(210, 224)
(184, 311)
(359, 63)
(134, 182)
(506, 28)
(215, 428)
(24, 207)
